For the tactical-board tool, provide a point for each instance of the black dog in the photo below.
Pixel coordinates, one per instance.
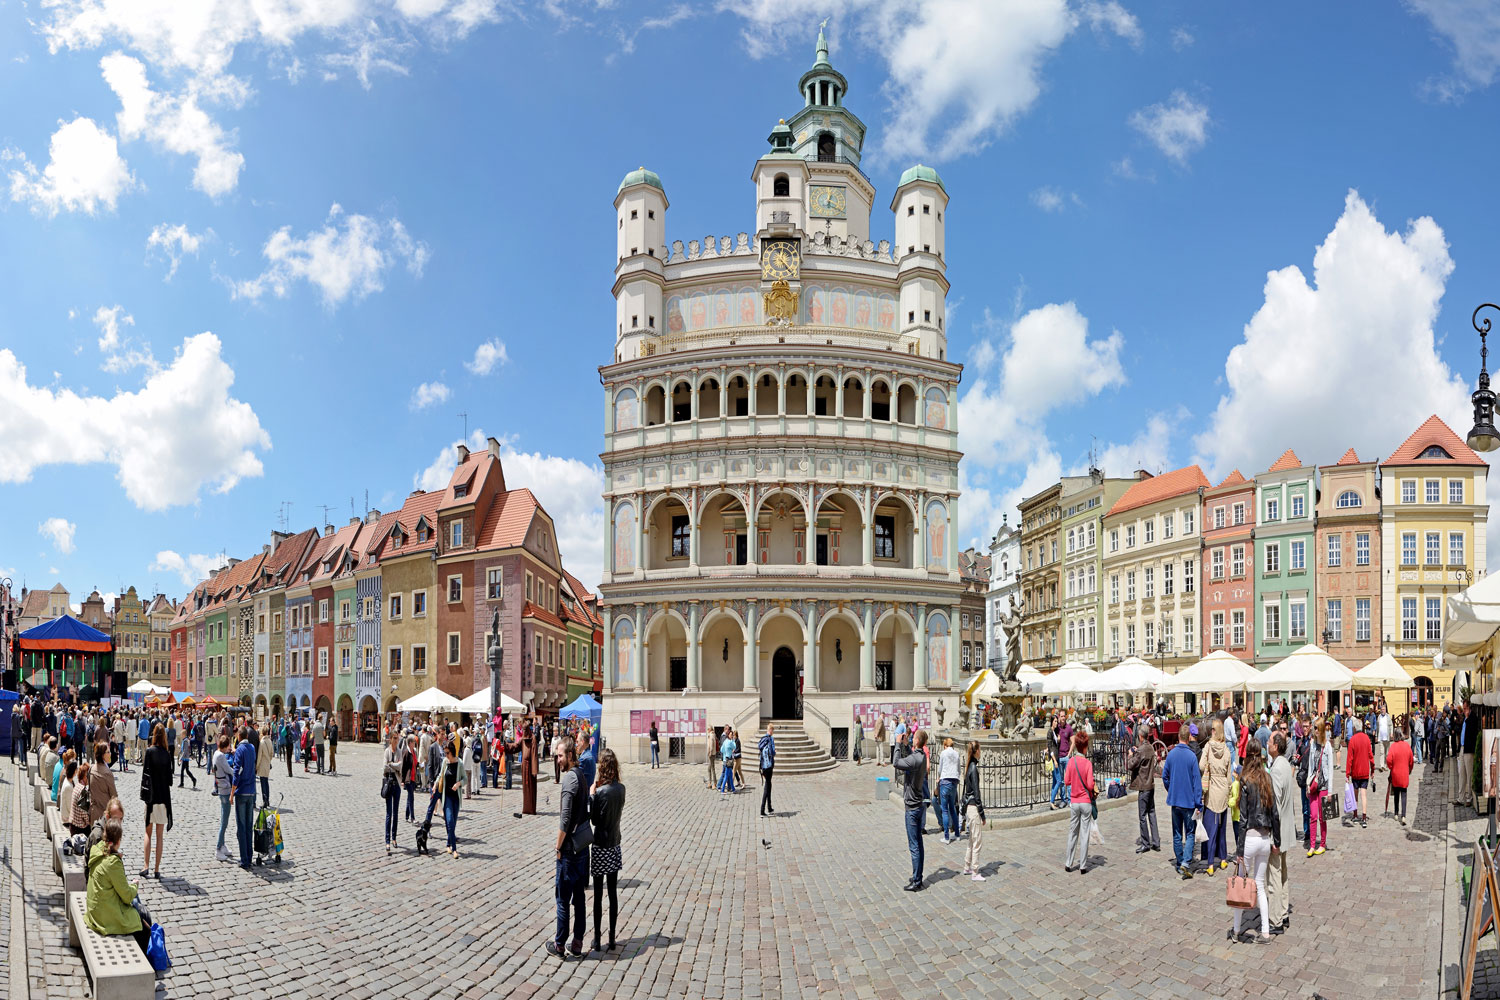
(422, 831)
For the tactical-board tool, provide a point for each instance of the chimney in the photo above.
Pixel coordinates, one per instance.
(1142, 475)
(212, 573)
(233, 563)
(415, 493)
(277, 537)
(494, 447)
(463, 454)
(355, 520)
(265, 550)
(372, 517)
(327, 529)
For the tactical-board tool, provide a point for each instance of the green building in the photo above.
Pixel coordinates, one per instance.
(1285, 562)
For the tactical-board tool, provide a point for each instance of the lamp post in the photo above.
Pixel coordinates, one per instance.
(1483, 436)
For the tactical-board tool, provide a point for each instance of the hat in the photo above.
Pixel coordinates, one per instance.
(1193, 729)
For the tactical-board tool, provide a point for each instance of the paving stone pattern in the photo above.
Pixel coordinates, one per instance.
(707, 910)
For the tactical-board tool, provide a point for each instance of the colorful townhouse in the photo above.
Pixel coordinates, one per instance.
(1083, 501)
(345, 629)
(1151, 551)
(369, 616)
(132, 635)
(1228, 560)
(281, 564)
(299, 636)
(179, 651)
(1349, 623)
(1285, 533)
(161, 613)
(585, 630)
(325, 581)
(408, 633)
(1433, 520)
(1040, 517)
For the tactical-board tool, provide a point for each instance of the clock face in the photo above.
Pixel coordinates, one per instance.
(779, 259)
(828, 201)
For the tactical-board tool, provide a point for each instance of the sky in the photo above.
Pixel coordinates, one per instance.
(266, 264)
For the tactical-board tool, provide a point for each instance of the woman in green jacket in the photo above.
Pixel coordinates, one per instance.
(108, 909)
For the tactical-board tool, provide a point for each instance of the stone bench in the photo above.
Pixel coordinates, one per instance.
(69, 866)
(115, 964)
(41, 792)
(51, 821)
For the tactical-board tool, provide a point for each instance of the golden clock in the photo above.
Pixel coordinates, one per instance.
(828, 201)
(780, 259)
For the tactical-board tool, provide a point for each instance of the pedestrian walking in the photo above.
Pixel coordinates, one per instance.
(1358, 763)
(912, 764)
(319, 746)
(1143, 769)
(973, 808)
(726, 757)
(222, 769)
(1399, 760)
(1181, 777)
(390, 789)
(1262, 834)
(1284, 788)
(244, 794)
(606, 804)
(451, 781)
(411, 776)
(880, 740)
(156, 794)
(739, 750)
(264, 752)
(1215, 764)
(950, 767)
(1319, 787)
(575, 834)
(655, 746)
(185, 757)
(859, 742)
(767, 753)
(1081, 794)
(333, 746)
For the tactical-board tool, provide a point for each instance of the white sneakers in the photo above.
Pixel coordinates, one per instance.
(222, 854)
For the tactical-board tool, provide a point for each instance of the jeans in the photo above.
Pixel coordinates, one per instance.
(765, 790)
(265, 791)
(726, 777)
(244, 806)
(572, 873)
(1398, 801)
(1416, 749)
(450, 820)
(655, 754)
(1080, 814)
(225, 802)
(185, 772)
(392, 811)
(1217, 825)
(1145, 807)
(1306, 813)
(1257, 855)
(411, 812)
(1057, 784)
(948, 806)
(322, 756)
(915, 821)
(1184, 830)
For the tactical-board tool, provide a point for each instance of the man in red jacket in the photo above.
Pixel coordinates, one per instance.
(1357, 763)
(1399, 759)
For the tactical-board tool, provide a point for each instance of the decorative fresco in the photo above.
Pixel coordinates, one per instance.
(859, 308)
(937, 650)
(707, 310)
(937, 534)
(625, 538)
(624, 651)
(627, 412)
(937, 408)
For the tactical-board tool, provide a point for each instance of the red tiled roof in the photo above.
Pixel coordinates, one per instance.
(530, 610)
(286, 558)
(1288, 460)
(1233, 479)
(509, 520)
(1168, 484)
(579, 590)
(1350, 458)
(34, 605)
(416, 507)
(1434, 432)
(379, 533)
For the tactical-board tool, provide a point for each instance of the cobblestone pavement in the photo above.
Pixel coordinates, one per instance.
(709, 910)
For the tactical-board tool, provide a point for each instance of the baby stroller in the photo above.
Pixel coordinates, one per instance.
(268, 842)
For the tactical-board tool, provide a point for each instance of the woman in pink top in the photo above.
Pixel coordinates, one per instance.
(1079, 777)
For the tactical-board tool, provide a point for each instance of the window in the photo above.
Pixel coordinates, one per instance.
(1237, 627)
(885, 537)
(1150, 583)
(1129, 640)
(1070, 541)
(1335, 620)
(1408, 548)
(1188, 522)
(1455, 491)
(343, 611)
(419, 659)
(1335, 550)
(1348, 498)
(1130, 536)
(1455, 548)
(1114, 588)
(1091, 534)
(529, 590)
(494, 583)
(322, 611)
(418, 610)
(1166, 633)
(1362, 548)
(1273, 558)
(1272, 627)
(1433, 492)
(395, 660)
(1218, 564)
(1298, 504)
(1092, 581)
(1114, 642)
(1409, 493)
(1273, 509)
(275, 664)
(1150, 637)
(1217, 630)
(1150, 531)
(453, 638)
(965, 621)
(1237, 560)
(1362, 619)
(1409, 618)
(1218, 517)
(1166, 580)
(1091, 632)
(1130, 585)
(1070, 590)
(456, 534)
(1239, 513)
(1434, 619)
(1187, 576)
(1434, 548)
(455, 589)
(1114, 539)
(344, 660)
(1299, 554)
(260, 623)
(322, 663)
(1297, 619)
(681, 540)
(395, 607)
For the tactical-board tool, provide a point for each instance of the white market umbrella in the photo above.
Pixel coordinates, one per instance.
(431, 700)
(1473, 617)
(1070, 678)
(984, 685)
(146, 687)
(1218, 671)
(479, 703)
(1383, 673)
(1307, 669)
(1030, 679)
(1130, 675)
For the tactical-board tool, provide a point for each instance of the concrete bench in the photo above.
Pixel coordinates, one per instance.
(115, 964)
(69, 866)
(41, 792)
(51, 821)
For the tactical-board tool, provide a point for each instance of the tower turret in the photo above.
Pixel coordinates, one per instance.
(641, 226)
(830, 137)
(780, 183)
(919, 205)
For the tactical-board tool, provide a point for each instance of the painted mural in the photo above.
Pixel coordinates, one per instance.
(937, 534)
(707, 310)
(627, 412)
(624, 652)
(861, 308)
(937, 650)
(937, 408)
(625, 538)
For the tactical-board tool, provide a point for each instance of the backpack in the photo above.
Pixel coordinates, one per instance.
(478, 749)
(1302, 761)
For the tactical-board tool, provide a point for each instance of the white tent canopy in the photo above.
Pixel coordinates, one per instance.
(1307, 669)
(1218, 671)
(431, 700)
(1473, 617)
(1382, 674)
(1030, 679)
(479, 702)
(1071, 678)
(1131, 674)
(984, 685)
(146, 687)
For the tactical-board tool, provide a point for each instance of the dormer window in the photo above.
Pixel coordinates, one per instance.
(1435, 451)
(460, 491)
(421, 533)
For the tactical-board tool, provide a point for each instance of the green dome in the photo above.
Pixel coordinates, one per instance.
(640, 175)
(921, 173)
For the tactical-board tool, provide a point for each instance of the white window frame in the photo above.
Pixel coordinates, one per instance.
(1408, 551)
(448, 591)
(1239, 513)
(1273, 509)
(455, 648)
(1273, 558)
(1166, 579)
(1150, 583)
(1299, 505)
(1148, 531)
(1409, 621)
(1457, 556)
(1220, 518)
(1216, 639)
(494, 587)
(1455, 486)
(1237, 627)
(1333, 619)
(1216, 564)
(1432, 491)
(395, 606)
(417, 647)
(1361, 548)
(1434, 619)
(456, 534)
(1335, 551)
(1408, 491)
(1432, 545)
(1298, 555)
(1270, 620)
(323, 662)
(1362, 619)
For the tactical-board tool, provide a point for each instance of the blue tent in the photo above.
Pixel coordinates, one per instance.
(583, 707)
(65, 629)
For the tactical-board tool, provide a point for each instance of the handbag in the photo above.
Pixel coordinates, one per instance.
(1239, 889)
(1351, 801)
(1200, 832)
(156, 952)
(388, 786)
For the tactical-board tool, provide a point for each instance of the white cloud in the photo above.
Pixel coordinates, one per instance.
(680, 12)
(121, 353)
(109, 319)
(428, 394)
(1127, 169)
(1111, 17)
(570, 490)
(1178, 126)
(1150, 449)
(193, 568)
(181, 431)
(373, 53)
(174, 243)
(1054, 199)
(1472, 28)
(1182, 38)
(959, 72)
(1363, 327)
(488, 356)
(175, 122)
(347, 258)
(60, 531)
(83, 174)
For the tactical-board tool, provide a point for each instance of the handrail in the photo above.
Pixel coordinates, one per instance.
(739, 720)
(809, 707)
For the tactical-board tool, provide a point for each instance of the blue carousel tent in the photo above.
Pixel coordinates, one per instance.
(64, 651)
(583, 707)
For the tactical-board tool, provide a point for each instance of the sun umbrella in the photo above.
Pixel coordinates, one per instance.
(1030, 679)
(1132, 674)
(479, 701)
(1070, 678)
(1307, 669)
(431, 700)
(1382, 673)
(1218, 671)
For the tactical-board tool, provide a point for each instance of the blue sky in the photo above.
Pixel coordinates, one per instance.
(251, 262)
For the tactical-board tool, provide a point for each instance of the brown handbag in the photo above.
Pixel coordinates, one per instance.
(1239, 888)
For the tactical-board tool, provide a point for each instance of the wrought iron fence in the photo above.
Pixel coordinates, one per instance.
(1015, 774)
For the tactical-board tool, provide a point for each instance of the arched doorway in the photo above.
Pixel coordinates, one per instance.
(784, 701)
(346, 716)
(1421, 694)
(276, 706)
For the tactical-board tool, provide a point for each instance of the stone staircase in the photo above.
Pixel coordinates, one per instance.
(796, 752)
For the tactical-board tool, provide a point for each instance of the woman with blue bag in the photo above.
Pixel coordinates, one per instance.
(109, 905)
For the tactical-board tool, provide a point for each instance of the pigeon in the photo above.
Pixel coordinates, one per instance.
(765, 843)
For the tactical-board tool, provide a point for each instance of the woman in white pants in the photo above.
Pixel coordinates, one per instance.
(1262, 833)
(1078, 778)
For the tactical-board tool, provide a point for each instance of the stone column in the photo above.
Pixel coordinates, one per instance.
(867, 537)
(919, 555)
(694, 652)
(752, 649)
(919, 654)
(693, 526)
(867, 649)
(639, 655)
(609, 648)
(810, 653)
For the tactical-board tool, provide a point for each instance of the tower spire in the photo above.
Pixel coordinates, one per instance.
(822, 59)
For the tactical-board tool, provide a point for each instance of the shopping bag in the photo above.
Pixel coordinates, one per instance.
(1239, 889)
(156, 952)
(1096, 839)
(276, 843)
(1200, 831)
(1351, 801)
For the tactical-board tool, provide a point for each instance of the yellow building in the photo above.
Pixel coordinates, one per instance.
(1433, 538)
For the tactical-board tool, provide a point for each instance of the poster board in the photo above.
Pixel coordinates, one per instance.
(669, 722)
(920, 712)
(1484, 904)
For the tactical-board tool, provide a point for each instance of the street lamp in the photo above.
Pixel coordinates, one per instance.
(1327, 637)
(1484, 437)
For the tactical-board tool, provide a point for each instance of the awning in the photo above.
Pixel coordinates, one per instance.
(1381, 674)
(479, 702)
(145, 687)
(1071, 678)
(1131, 674)
(1473, 617)
(1218, 671)
(431, 700)
(1307, 669)
(984, 685)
